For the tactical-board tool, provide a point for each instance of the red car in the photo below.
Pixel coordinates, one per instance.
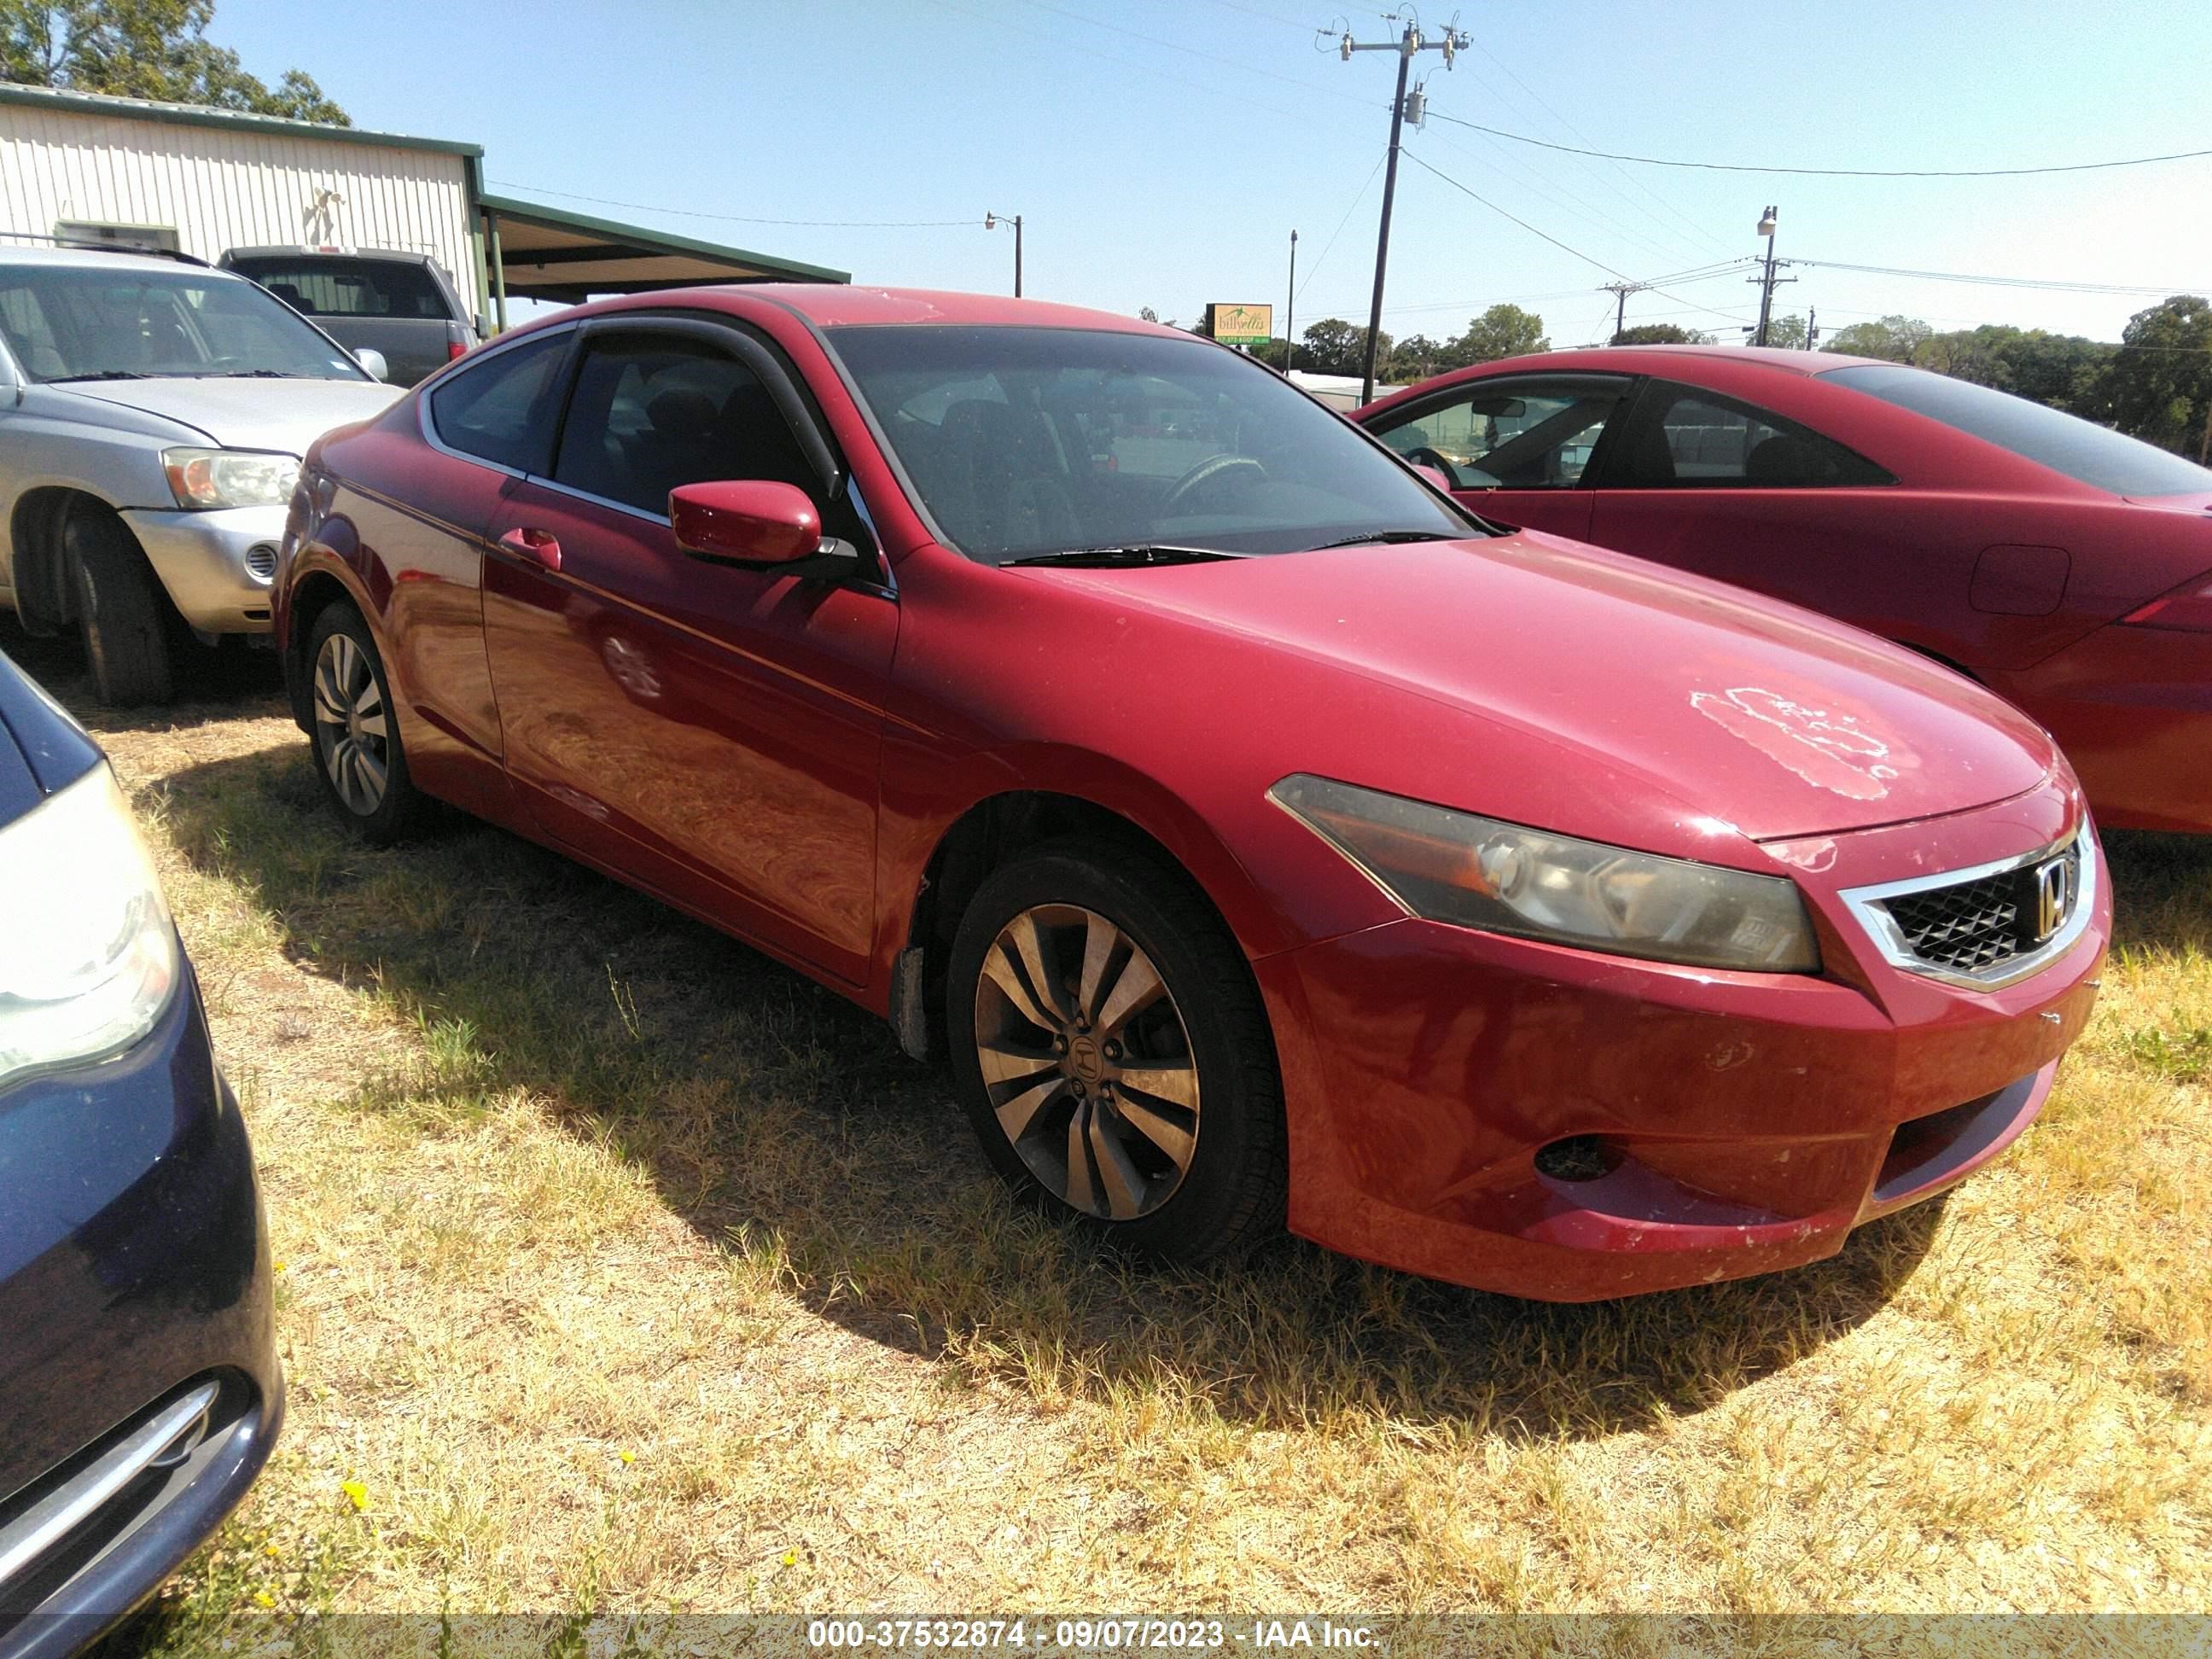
(2065, 566)
(1261, 837)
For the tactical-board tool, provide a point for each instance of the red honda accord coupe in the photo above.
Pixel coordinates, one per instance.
(1261, 837)
(2065, 566)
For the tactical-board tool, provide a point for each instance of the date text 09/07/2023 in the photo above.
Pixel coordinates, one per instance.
(1087, 1635)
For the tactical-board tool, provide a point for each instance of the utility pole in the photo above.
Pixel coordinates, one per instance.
(1812, 329)
(1407, 45)
(1766, 279)
(1290, 305)
(992, 222)
(1620, 291)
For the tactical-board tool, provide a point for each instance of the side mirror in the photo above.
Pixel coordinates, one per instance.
(373, 361)
(747, 521)
(1434, 475)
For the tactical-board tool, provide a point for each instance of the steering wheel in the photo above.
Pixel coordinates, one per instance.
(1425, 456)
(1213, 467)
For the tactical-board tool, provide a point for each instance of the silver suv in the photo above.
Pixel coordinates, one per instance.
(152, 417)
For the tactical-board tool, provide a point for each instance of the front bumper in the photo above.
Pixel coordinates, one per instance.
(1693, 1125)
(2132, 708)
(216, 565)
(134, 1270)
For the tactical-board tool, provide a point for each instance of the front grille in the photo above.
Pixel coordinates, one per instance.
(1978, 927)
(261, 560)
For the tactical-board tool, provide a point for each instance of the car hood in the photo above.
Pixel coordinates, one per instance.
(1771, 721)
(248, 414)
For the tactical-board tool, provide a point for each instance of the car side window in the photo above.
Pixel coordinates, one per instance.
(651, 412)
(500, 409)
(1508, 435)
(1679, 438)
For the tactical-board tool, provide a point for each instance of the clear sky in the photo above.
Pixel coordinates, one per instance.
(1161, 151)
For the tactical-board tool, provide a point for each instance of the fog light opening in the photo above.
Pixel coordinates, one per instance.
(1578, 1158)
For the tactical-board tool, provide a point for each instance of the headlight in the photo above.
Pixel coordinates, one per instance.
(230, 477)
(1478, 872)
(89, 957)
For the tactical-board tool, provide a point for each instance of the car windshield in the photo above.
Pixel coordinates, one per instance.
(116, 322)
(329, 285)
(2081, 450)
(1027, 441)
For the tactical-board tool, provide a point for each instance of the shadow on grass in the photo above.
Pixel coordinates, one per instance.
(2162, 890)
(238, 678)
(782, 1122)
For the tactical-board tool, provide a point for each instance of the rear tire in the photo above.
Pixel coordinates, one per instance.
(355, 733)
(1113, 1053)
(121, 611)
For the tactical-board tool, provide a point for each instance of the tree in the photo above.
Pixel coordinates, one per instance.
(1504, 331)
(2062, 370)
(1787, 333)
(1661, 334)
(154, 48)
(1414, 358)
(2158, 385)
(1332, 346)
(1146, 314)
(1895, 337)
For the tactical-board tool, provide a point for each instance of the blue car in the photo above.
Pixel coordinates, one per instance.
(139, 1388)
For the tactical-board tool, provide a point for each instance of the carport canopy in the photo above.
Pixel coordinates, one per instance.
(540, 253)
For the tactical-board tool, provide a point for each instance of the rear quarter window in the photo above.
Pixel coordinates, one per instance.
(2080, 450)
(500, 409)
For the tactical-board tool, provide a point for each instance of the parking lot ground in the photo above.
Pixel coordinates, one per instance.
(624, 1270)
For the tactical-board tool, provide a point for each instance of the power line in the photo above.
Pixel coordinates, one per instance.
(1698, 230)
(2000, 282)
(1194, 52)
(1828, 172)
(1523, 223)
(738, 218)
(1502, 167)
(1340, 224)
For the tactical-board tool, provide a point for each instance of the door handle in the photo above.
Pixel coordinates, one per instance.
(540, 547)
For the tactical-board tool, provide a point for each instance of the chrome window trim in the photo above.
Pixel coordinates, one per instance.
(54, 1516)
(1866, 904)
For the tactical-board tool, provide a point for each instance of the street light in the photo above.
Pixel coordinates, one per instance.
(992, 222)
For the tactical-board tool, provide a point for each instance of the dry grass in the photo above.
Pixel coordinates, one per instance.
(624, 1270)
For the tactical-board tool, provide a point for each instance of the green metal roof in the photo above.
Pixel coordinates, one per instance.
(580, 240)
(229, 120)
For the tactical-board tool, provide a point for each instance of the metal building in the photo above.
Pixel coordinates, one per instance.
(83, 168)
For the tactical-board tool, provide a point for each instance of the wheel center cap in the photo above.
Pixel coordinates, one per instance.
(1083, 1059)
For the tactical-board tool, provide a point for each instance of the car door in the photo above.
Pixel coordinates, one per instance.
(1732, 490)
(709, 731)
(417, 513)
(1518, 449)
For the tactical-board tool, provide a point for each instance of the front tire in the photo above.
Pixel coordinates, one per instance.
(1114, 1055)
(358, 754)
(121, 611)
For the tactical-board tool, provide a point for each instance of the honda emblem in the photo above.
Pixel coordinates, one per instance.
(2054, 896)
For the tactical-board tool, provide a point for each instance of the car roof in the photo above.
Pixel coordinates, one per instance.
(1646, 359)
(836, 305)
(90, 256)
(300, 251)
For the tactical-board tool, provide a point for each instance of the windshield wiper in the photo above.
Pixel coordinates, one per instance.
(100, 375)
(257, 374)
(1146, 553)
(1387, 536)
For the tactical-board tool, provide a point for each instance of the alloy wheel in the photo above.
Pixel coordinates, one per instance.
(351, 727)
(1087, 1061)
